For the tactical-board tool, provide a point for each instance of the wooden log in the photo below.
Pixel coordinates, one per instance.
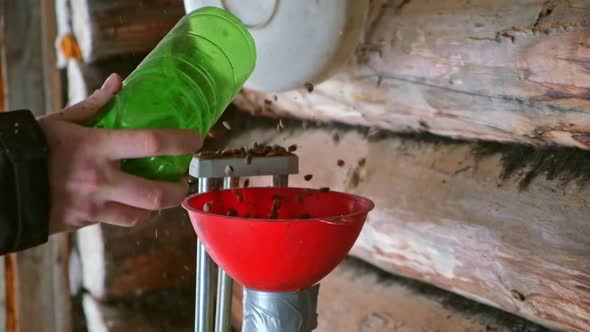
(37, 294)
(510, 71)
(119, 262)
(107, 28)
(167, 311)
(84, 78)
(516, 239)
(3, 302)
(375, 301)
(159, 253)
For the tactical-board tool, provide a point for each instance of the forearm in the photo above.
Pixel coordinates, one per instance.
(58, 162)
(24, 188)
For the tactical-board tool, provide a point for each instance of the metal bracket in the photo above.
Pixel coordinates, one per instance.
(212, 175)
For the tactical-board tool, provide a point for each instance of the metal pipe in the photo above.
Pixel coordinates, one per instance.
(204, 315)
(280, 180)
(224, 282)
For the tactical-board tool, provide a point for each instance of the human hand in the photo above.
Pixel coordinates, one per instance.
(85, 180)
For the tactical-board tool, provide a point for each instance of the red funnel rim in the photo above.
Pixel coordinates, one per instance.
(369, 205)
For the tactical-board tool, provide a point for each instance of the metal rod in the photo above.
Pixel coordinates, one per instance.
(205, 286)
(280, 180)
(224, 282)
(263, 310)
(204, 314)
(232, 182)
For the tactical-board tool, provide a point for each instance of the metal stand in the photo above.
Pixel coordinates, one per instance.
(211, 176)
(205, 269)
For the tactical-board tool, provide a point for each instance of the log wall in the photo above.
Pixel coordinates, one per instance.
(120, 263)
(501, 224)
(509, 70)
(358, 297)
(36, 279)
(504, 225)
(105, 29)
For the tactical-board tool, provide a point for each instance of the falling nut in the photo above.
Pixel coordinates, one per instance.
(273, 214)
(249, 158)
(518, 295)
(374, 131)
(300, 198)
(309, 87)
(282, 124)
(308, 177)
(324, 189)
(340, 162)
(238, 195)
(276, 204)
(292, 148)
(229, 170)
(336, 138)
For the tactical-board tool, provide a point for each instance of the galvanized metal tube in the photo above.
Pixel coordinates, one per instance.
(205, 290)
(224, 282)
(204, 304)
(280, 180)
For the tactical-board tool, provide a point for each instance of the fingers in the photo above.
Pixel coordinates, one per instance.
(84, 110)
(138, 143)
(145, 194)
(120, 215)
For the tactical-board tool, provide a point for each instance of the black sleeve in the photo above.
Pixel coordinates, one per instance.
(24, 185)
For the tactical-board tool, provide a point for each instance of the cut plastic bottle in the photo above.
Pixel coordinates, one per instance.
(186, 82)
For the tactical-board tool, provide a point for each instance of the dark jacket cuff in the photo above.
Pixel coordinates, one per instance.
(24, 192)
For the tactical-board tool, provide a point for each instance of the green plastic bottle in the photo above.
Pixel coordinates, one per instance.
(186, 82)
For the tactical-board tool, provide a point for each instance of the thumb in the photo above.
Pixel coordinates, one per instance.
(84, 110)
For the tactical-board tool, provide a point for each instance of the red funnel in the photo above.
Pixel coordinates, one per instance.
(313, 232)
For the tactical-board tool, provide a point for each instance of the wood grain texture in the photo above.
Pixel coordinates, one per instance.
(38, 276)
(3, 275)
(445, 216)
(354, 297)
(118, 263)
(106, 28)
(509, 70)
(166, 311)
(23, 54)
(84, 78)
(3, 302)
(53, 76)
(358, 297)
